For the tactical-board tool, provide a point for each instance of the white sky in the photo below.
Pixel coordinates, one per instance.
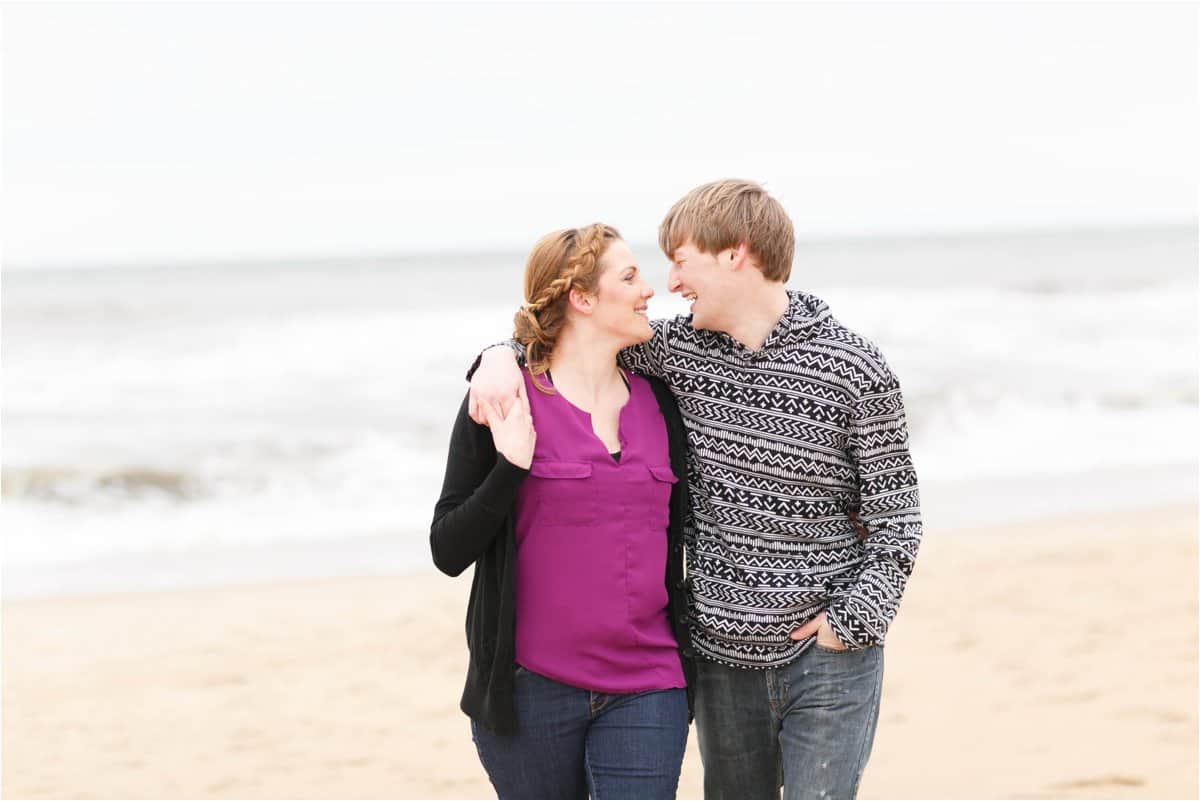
(220, 130)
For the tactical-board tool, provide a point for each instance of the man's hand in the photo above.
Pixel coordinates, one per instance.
(513, 432)
(825, 636)
(497, 381)
(859, 528)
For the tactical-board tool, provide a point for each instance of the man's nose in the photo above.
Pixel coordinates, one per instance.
(673, 283)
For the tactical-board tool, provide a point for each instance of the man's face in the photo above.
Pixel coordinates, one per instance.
(700, 278)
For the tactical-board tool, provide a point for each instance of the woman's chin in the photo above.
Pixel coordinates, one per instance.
(642, 335)
(629, 335)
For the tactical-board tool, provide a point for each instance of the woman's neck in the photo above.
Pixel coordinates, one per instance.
(586, 367)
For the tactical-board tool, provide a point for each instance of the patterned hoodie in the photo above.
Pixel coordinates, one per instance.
(784, 442)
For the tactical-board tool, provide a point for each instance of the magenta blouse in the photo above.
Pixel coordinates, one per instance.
(591, 541)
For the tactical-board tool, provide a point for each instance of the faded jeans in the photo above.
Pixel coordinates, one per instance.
(572, 743)
(807, 726)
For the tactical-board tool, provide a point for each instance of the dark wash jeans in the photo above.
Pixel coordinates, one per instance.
(571, 743)
(807, 726)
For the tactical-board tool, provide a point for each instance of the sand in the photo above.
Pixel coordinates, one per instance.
(1056, 659)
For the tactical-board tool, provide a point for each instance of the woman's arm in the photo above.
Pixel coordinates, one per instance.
(478, 492)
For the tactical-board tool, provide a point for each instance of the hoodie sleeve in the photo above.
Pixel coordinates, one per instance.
(649, 357)
(516, 347)
(890, 510)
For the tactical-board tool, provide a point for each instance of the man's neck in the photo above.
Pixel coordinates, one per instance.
(757, 314)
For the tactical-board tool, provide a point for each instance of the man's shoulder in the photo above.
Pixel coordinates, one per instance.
(673, 332)
(856, 349)
(670, 326)
(835, 332)
(680, 329)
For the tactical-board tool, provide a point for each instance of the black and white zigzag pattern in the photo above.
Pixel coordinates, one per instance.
(785, 440)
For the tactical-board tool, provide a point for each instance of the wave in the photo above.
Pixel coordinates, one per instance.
(76, 485)
(200, 423)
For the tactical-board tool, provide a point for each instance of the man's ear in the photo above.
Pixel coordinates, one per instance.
(582, 302)
(738, 255)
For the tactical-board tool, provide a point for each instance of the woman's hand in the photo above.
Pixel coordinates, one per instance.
(513, 432)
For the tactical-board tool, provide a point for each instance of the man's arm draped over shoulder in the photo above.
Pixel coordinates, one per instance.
(890, 510)
(646, 357)
(649, 357)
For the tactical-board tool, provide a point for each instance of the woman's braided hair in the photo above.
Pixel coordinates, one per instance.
(559, 262)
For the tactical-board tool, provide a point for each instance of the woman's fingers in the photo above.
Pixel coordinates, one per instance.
(522, 398)
(487, 412)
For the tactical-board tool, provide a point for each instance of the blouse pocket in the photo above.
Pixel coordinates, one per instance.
(654, 496)
(565, 495)
(664, 473)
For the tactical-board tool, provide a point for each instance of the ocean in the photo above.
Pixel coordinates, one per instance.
(176, 424)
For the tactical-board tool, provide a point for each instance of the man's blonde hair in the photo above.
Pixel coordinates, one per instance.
(723, 214)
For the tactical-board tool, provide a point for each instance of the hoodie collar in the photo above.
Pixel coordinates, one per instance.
(804, 318)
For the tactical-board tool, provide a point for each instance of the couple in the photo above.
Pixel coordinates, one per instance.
(755, 433)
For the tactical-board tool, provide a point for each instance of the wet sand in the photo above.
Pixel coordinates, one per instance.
(1051, 659)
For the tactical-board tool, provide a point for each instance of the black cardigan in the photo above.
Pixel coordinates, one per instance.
(473, 523)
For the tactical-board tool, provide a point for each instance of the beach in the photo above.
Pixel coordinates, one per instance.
(254, 249)
(1055, 658)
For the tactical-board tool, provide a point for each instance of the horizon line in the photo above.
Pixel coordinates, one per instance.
(347, 257)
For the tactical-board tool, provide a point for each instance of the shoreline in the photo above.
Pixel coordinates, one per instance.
(962, 507)
(1055, 658)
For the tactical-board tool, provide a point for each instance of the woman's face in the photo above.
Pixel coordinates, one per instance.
(621, 296)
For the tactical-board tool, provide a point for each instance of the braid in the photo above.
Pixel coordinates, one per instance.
(560, 262)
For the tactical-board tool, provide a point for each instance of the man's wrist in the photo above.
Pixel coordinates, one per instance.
(514, 347)
(518, 352)
(496, 350)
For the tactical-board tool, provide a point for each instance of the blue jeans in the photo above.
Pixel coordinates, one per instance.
(571, 743)
(807, 726)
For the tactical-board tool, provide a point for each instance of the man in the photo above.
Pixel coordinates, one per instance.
(795, 425)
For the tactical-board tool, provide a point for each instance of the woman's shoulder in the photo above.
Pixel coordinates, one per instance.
(666, 400)
(654, 382)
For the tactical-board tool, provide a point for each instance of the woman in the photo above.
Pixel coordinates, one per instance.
(577, 621)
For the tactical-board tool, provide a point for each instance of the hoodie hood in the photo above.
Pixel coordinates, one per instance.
(805, 318)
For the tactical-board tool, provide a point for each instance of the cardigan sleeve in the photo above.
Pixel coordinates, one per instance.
(478, 492)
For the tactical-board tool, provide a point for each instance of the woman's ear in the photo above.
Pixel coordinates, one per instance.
(580, 301)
